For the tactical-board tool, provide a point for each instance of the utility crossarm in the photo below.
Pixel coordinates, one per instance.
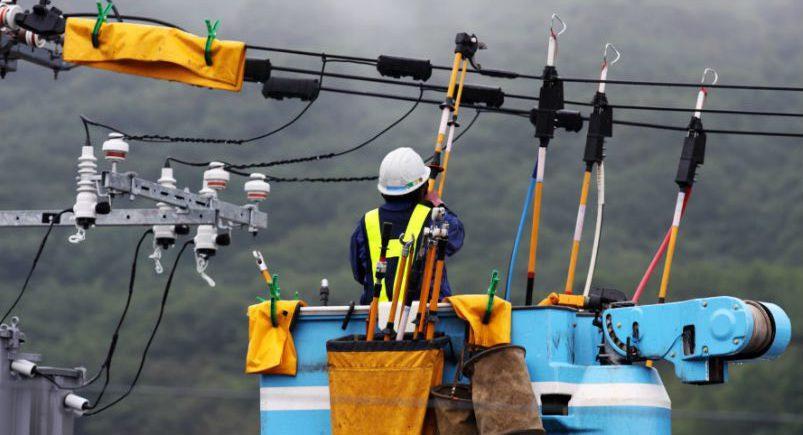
(115, 218)
(129, 183)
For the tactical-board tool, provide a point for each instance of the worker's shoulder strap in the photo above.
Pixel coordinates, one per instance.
(374, 235)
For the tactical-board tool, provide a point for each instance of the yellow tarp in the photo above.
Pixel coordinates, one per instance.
(271, 350)
(471, 308)
(382, 387)
(157, 52)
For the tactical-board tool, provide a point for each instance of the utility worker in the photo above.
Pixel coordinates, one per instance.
(403, 183)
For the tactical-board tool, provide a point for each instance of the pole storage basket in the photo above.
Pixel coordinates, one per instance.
(382, 387)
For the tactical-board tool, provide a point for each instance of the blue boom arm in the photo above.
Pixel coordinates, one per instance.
(700, 337)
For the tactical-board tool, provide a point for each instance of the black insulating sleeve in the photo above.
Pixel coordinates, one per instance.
(257, 70)
(280, 88)
(398, 67)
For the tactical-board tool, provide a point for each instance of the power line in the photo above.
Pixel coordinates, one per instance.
(335, 154)
(440, 88)
(487, 72)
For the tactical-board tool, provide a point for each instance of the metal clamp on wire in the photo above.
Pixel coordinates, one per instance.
(467, 45)
(551, 95)
(569, 120)
(693, 154)
(398, 67)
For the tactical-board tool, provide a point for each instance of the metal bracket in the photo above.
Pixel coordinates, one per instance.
(130, 183)
(121, 217)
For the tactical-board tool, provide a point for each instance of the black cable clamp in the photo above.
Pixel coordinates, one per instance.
(257, 70)
(280, 88)
(488, 95)
(550, 101)
(600, 126)
(398, 67)
(569, 120)
(693, 154)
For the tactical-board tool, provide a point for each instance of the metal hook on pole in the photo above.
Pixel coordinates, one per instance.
(201, 264)
(78, 237)
(603, 75)
(552, 20)
(156, 256)
(552, 47)
(609, 46)
(713, 72)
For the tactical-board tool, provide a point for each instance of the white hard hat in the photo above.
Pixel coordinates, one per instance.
(401, 172)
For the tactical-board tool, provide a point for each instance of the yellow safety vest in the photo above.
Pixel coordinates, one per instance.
(374, 235)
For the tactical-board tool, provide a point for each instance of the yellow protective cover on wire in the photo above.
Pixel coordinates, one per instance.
(382, 387)
(157, 52)
(471, 308)
(271, 350)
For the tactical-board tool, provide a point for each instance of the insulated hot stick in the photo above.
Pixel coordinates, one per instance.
(465, 47)
(551, 100)
(379, 276)
(401, 275)
(691, 157)
(452, 125)
(658, 254)
(426, 285)
(599, 127)
(442, 237)
(413, 273)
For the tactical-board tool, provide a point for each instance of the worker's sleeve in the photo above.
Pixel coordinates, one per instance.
(456, 233)
(359, 256)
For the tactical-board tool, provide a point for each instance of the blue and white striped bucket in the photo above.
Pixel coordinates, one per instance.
(562, 344)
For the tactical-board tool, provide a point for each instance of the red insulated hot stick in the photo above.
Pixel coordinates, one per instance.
(379, 277)
(658, 254)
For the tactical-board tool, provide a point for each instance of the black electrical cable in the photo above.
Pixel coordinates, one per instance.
(106, 366)
(339, 153)
(322, 180)
(36, 258)
(513, 74)
(526, 113)
(533, 98)
(155, 138)
(125, 17)
(150, 339)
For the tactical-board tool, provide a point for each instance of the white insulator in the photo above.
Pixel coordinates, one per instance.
(165, 235)
(206, 240)
(24, 367)
(8, 13)
(31, 39)
(216, 177)
(76, 403)
(256, 188)
(87, 197)
(115, 148)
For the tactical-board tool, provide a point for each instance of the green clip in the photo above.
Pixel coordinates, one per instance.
(275, 296)
(261, 299)
(491, 294)
(297, 297)
(102, 14)
(211, 34)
